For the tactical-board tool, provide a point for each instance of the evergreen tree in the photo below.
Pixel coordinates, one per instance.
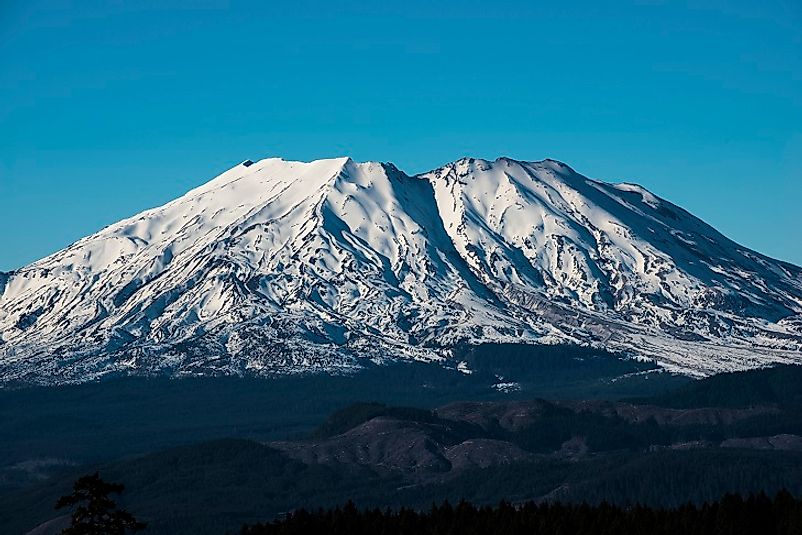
(96, 513)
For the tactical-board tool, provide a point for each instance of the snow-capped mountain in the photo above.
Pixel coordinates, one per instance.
(279, 267)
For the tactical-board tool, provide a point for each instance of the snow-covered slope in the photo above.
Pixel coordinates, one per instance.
(281, 267)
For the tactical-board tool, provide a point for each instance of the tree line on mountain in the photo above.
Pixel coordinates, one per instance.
(776, 385)
(732, 515)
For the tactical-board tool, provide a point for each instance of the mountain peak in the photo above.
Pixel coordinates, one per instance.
(275, 168)
(280, 266)
(470, 163)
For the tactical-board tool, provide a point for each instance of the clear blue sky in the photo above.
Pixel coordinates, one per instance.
(108, 108)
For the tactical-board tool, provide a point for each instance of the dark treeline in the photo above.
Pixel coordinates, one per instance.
(732, 515)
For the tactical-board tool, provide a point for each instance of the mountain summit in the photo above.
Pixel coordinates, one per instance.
(281, 267)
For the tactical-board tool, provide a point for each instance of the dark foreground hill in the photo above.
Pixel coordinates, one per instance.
(483, 451)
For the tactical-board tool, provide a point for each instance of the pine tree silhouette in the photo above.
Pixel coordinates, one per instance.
(96, 513)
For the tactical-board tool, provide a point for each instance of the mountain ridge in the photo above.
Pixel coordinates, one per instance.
(279, 266)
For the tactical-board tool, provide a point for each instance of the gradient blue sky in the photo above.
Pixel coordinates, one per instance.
(108, 108)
